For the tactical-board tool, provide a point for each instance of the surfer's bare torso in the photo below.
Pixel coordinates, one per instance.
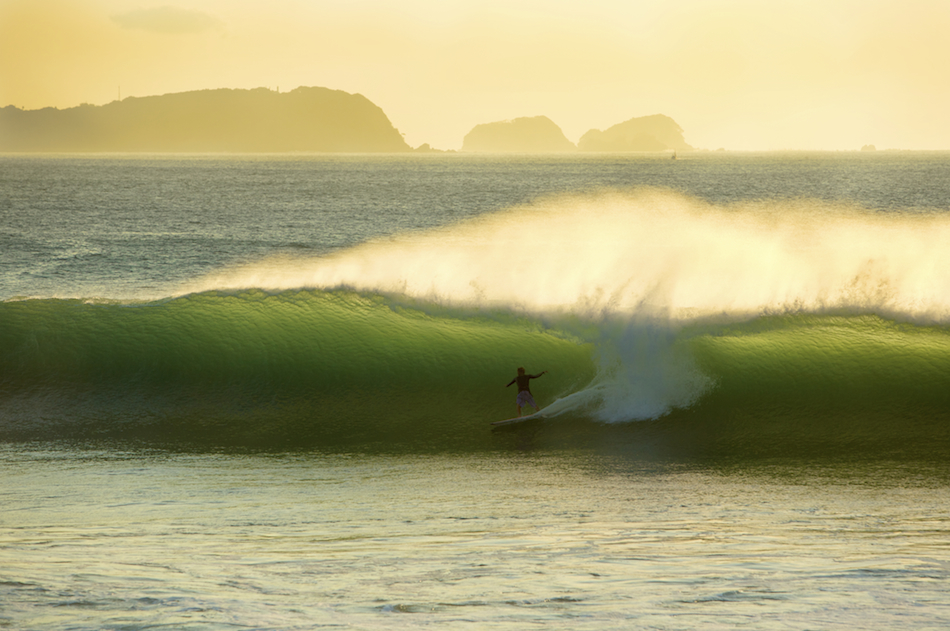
(524, 381)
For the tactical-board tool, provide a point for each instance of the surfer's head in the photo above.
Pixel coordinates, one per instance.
(521, 371)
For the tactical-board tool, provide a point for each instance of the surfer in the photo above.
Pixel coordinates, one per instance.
(524, 390)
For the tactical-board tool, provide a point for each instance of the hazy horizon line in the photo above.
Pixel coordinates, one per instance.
(277, 90)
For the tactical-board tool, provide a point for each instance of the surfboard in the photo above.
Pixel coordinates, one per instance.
(509, 421)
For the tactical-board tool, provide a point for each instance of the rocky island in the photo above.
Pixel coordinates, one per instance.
(646, 133)
(537, 134)
(540, 135)
(310, 119)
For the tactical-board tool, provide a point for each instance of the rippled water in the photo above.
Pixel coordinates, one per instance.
(135, 540)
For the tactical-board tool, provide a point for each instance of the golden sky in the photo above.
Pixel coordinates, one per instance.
(739, 74)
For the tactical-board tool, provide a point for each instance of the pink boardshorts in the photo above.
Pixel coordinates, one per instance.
(525, 398)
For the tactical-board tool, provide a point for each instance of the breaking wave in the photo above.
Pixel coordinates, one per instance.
(737, 326)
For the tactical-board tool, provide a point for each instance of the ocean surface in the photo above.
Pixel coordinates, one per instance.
(255, 392)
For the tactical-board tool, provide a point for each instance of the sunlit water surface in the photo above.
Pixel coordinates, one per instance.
(134, 540)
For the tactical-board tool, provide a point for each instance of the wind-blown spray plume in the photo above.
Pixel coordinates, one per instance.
(652, 253)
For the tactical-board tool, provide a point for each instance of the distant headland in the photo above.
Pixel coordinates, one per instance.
(260, 120)
(540, 135)
(307, 119)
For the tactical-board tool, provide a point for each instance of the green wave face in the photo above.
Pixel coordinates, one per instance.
(833, 385)
(305, 368)
(341, 370)
(828, 360)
